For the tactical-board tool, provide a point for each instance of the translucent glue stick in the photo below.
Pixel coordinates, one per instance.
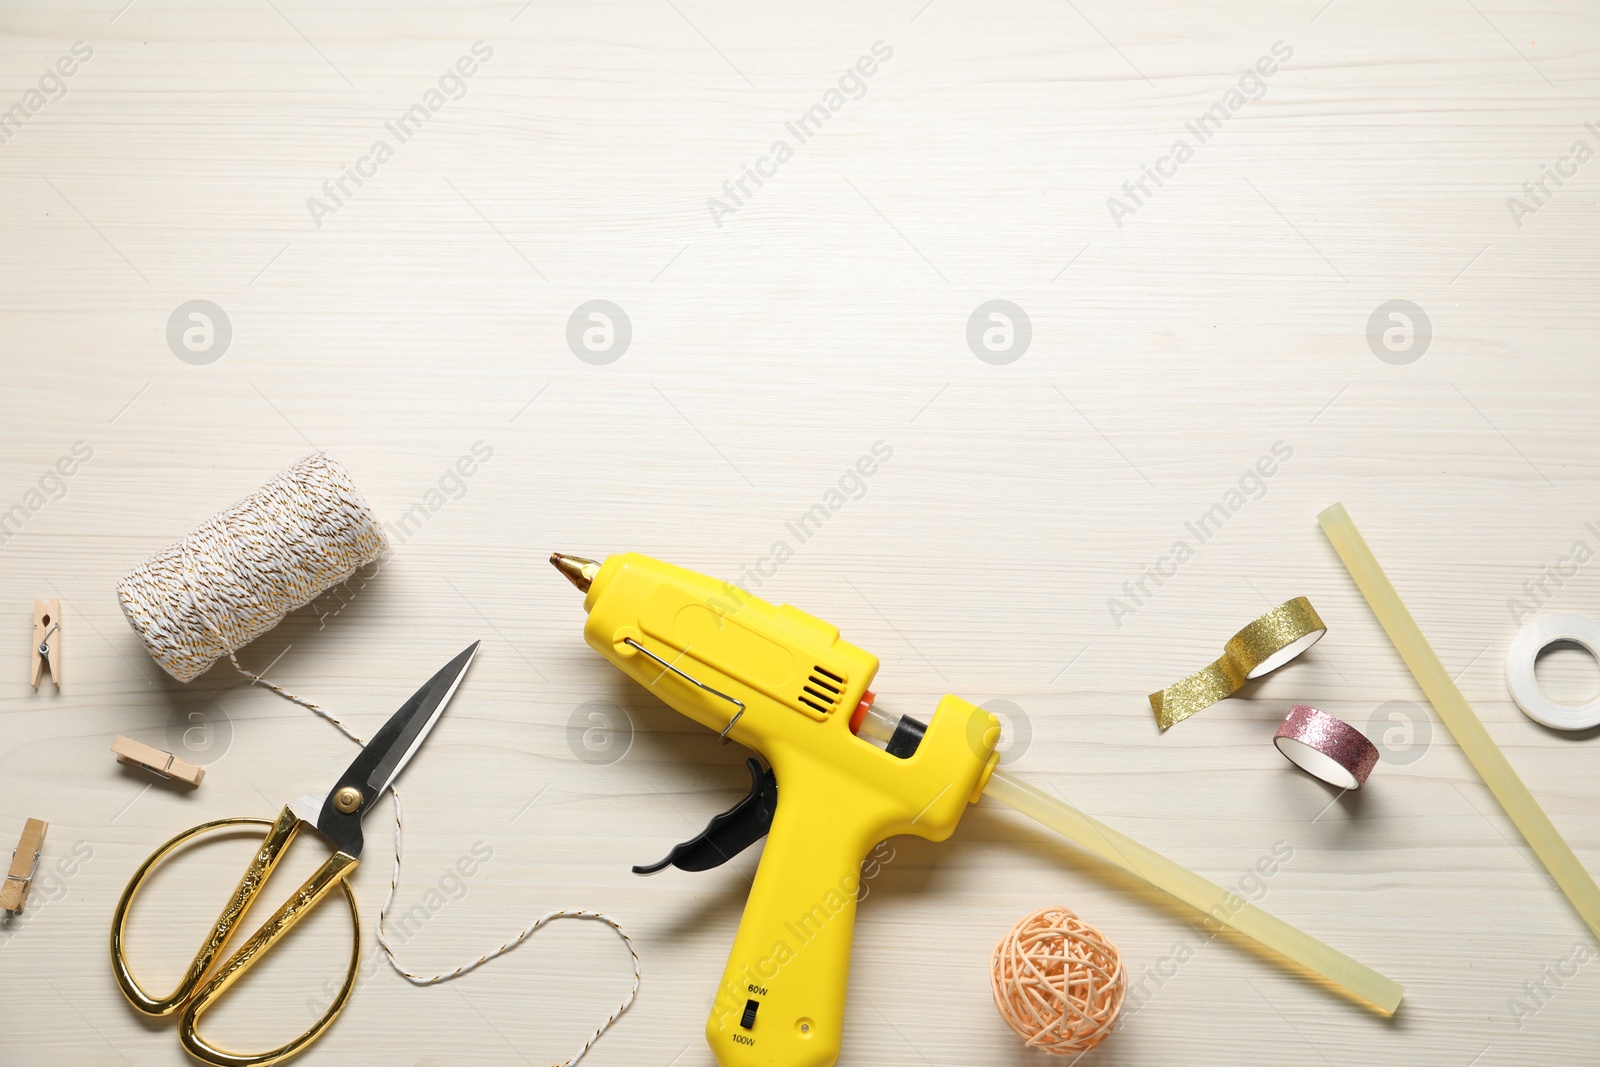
(1486, 757)
(898, 734)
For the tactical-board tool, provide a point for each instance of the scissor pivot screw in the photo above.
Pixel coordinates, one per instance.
(347, 799)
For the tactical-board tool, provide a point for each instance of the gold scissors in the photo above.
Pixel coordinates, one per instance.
(338, 818)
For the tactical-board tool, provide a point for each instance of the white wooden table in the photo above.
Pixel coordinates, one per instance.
(775, 336)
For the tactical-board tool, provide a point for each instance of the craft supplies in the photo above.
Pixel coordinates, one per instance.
(24, 865)
(338, 819)
(46, 652)
(846, 775)
(1464, 725)
(1260, 648)
(1058, 982)
(1326, 747)
(1533, 639)
(1348, 975)
(236, 575)
(157, 761)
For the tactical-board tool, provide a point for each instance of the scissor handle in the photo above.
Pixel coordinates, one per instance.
(194, 993)
(335, 871)
(261, 867)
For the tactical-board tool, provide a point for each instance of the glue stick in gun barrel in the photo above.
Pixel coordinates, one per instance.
(782, 683)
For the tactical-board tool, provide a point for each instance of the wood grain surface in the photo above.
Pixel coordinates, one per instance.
(1162, 343)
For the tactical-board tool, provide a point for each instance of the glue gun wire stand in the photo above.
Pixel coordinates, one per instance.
(1288, 942)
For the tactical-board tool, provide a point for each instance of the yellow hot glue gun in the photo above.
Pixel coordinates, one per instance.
(782, 682)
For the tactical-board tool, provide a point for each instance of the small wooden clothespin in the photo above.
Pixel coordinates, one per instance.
(165, 764)
(24, 864)
(46, 641)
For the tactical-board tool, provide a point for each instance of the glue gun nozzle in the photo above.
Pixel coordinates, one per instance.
(579, 571)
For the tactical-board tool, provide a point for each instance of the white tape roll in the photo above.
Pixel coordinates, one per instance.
(1533, 639)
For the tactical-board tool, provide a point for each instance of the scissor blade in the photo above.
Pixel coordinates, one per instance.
(387, 754)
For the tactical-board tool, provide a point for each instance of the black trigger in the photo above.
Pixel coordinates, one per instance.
(730, 833)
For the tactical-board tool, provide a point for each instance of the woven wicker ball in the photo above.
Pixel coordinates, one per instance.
(1058, 982)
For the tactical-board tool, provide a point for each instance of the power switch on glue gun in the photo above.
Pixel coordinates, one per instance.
(843, 775)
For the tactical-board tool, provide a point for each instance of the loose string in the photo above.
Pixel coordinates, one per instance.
(394, 886)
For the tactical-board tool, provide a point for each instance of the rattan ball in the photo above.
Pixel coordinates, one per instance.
(1058, 982)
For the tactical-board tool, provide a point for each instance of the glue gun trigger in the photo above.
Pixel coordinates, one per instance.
(730, 833)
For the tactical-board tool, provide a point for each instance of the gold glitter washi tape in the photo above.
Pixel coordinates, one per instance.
(1265, 645)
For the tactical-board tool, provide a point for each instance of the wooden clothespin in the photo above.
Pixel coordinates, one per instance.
(46, 641)
(24, 864)
(165, 764)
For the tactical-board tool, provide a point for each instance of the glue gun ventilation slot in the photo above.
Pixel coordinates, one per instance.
(822, 690)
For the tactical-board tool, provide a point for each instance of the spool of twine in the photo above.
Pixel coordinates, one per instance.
(236, 575)
(1058, 982)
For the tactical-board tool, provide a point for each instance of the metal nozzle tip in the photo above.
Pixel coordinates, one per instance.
(579, 571)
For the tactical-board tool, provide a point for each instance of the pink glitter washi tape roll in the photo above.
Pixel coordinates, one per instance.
(1326, 747)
